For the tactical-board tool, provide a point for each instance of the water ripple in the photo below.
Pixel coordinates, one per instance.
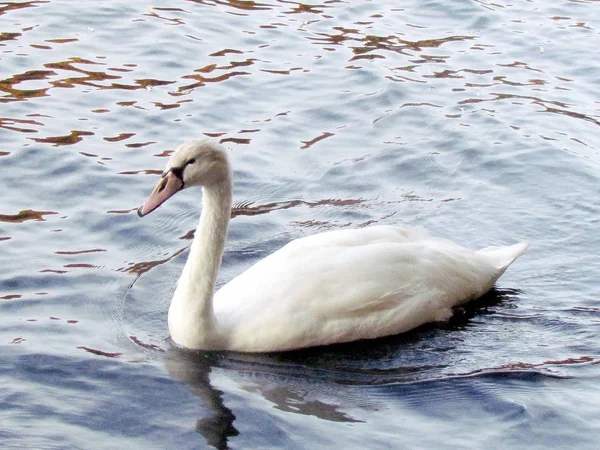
(478, 120)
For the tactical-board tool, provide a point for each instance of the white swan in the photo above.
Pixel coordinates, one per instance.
(331, 287)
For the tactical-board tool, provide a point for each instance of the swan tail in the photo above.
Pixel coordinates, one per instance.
(502, 257)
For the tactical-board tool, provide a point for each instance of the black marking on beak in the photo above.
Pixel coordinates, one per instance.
(178, 172)
(163, 184)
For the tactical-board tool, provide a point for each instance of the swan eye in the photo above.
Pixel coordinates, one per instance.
(192, 161)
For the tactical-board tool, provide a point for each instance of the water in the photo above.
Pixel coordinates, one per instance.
(476, 119)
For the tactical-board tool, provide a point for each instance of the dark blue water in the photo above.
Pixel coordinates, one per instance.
(478, 120)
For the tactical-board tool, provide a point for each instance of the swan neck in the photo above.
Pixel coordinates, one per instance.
(206, 251)
(191, 310)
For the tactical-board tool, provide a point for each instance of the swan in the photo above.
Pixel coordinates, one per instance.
(332, 287)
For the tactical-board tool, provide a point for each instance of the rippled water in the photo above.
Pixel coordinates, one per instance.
(476, 119)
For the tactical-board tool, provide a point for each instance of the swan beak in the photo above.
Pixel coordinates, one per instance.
(168, 186)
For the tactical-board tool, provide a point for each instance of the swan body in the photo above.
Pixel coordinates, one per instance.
(332, 287)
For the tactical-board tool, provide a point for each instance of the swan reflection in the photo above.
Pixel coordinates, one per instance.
(194, 369)
(321, 382)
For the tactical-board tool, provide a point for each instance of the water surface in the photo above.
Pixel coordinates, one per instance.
(476, 119)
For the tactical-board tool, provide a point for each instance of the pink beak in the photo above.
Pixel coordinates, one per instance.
(168, 186)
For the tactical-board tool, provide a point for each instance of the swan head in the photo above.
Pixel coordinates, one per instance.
(195, 163)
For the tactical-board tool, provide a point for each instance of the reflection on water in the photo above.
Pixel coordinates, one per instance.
(194, 370)
(478, 120)
(302, 382)
(23, 216)
(407, 61)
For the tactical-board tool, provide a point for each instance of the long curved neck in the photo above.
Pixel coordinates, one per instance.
(191, 315)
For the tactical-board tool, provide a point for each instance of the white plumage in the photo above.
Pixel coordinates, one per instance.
(331, 287)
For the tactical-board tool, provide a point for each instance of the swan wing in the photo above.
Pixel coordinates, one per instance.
(350, 284)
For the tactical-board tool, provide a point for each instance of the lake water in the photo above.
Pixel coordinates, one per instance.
(476, 119)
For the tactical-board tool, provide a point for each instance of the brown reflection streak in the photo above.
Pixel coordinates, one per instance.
(430, 59)
(393, 43)
(11, 297)
(536, 101)
(522, 65)
(61, 41)
(7, 123)
(88, 80)
(573, 114)
(302, 8)
(120, 137)
(234, 64)
(169, 9)
(7, 85)
(9, 6)
(140, 144)
(137, 172)
(167, 19)
(141, 84)
(245, 5)
(99, 352)
(249, 210)
(201, 81)
(310, 143)
(281, 72)
(121, 211)
(445, 74)
(165, 106)
(137, 341)
(25, 215)
(133, 103)
(367, 57)
(144, 266)
(529, 366)
(420, 104)
(9, 36)
(206, 69)
(503, 80)
(120, 69)
(5, 238)
(568, 361)
(92, 78)
(227, 51)
(434, 43)
(80, 252)
(314, 224)
(73, 138)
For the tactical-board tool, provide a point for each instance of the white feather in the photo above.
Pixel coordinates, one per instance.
(332, 287)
